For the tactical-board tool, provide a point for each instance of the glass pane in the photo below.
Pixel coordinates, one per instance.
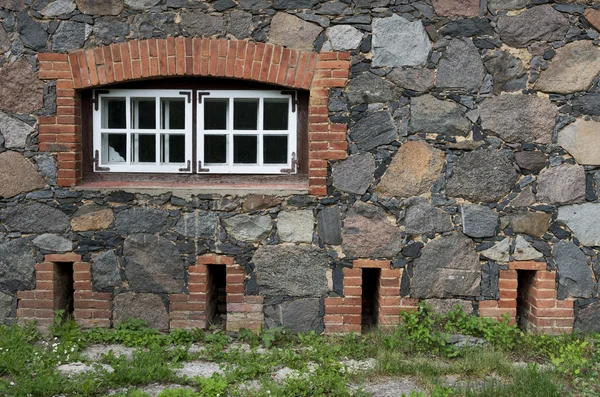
(114, 148)
(244, 149)
(172, 148)
(215, 149)
(215, 114)
(245, 114)
(143, 113)
(276, 114)
(173, 113)
(275, 149)
(113, 113)
(144, 148)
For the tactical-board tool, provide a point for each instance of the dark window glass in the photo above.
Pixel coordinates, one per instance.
(177, 148)
(215, 114)
(276, 114)
(146, 148)
(275, 149)
(174, 147)
(245, 114)
(173, 111)
(144, 113)
(244, 149)
(215, 149)
(117, 148)
(114, 113)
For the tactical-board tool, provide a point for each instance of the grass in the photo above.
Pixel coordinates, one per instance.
(566, 365)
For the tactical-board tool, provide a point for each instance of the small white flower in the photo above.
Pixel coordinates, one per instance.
(12, 383)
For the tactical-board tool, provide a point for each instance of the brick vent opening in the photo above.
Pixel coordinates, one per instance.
(63, 282)
(524, 291)
(371, 298)
(216, 304)
(216, 293)
(528, 297)
(64, 292)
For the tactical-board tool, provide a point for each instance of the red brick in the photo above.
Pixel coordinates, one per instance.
(333, 301)
(233, 288)
(352, 272)
(62, 257)
(507, 284)
(352, 291)
(352, 281)
(362, 263)
(333, 319)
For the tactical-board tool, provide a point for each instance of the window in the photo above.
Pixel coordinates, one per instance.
(195, 131)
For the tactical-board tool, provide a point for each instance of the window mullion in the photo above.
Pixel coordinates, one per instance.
(157, 131)
(260, 131)
(292, 127)
(230, 132)
(128, 147)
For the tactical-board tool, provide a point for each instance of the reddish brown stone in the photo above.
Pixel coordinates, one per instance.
(4, 40)
(100, 7)
(13, 5)
(413, 171)
(463, 8)
(593, 17)
(22, 91)
(260, 202)
(369, 232)
(92, 217)
(17, 175)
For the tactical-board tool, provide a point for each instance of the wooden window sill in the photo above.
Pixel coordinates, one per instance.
(189, 185)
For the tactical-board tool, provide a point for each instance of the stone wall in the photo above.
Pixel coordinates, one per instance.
(472, 143)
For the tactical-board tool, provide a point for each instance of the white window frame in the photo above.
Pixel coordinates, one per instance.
(129, 166)
(260, 133)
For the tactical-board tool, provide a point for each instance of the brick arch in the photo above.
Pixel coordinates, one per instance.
(202, 57)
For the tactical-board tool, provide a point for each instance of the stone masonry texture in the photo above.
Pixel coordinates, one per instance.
(447, 140)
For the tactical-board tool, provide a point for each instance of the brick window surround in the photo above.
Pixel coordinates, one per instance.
(344, 314)
(532, 287)
(175, 57)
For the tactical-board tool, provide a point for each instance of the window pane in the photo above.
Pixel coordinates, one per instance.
(113, 113)
(275, 149)
(244, 149)
(114, 148)
(143, 113)
(215, 149)
(215, 114)
(245, 114)
(144, 148)
(172, 148)
(276, 114)
(173, 113)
